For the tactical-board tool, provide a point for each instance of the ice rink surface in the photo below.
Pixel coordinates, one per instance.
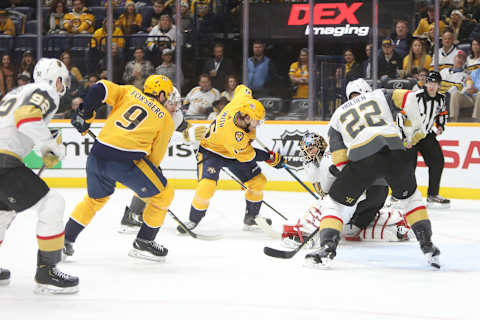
(231, 278)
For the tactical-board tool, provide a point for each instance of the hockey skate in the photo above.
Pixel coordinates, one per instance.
(67, 250)
(255, 223)
(4, 276)
(321, 258)
(131, 222)
(189, 224)
(148, 250)
(432, 254)
(52, 281)
(438, 202)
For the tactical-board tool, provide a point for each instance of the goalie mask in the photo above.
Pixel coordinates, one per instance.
(313, 146)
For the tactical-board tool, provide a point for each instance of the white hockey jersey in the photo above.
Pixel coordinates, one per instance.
(364, 125)
(24, 116)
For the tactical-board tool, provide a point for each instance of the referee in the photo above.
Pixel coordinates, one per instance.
(433, 112)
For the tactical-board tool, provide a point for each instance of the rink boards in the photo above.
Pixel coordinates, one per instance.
(460, 144)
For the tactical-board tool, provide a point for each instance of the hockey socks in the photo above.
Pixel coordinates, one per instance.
(72, 230)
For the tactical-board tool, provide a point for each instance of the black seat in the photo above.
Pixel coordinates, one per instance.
(6, 43)
(31, 27)
(23, 43)
(273, 106)
(55, 44)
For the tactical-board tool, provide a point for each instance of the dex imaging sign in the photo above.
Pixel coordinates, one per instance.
(334, 19)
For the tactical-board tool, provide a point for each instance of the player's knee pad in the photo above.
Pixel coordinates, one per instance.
(334, 214)
(205, 191)
(6, 218)
(414, 207)
(255, 188)
(50, 234)
(85, 210)
(157, 207)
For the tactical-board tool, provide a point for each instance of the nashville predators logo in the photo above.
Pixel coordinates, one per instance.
(349, 200)
(211, 170)
(238, 136)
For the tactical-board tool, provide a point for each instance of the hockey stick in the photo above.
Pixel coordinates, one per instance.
(275, 253)
(245, 187)
(41, 170)
(180, 223)
(291, 173)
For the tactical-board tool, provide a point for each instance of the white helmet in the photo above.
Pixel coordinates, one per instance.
(357, 86)
(175, 99)
(49, 70)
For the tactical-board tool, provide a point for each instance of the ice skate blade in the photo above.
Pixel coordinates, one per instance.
(254, 228)
(128, 229)
(143, 255)
(326, 264)
(434, 205)
(46, 289)
(4, 282)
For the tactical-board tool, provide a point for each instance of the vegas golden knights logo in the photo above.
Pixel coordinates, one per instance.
(349, 200)
(211, 170)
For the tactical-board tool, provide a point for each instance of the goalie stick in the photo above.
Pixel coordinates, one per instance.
(177, 220)
(282, 254)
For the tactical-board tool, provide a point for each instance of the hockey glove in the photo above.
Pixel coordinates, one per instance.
(53, 151)
(82, 120)
(198, 133)
(276, 160)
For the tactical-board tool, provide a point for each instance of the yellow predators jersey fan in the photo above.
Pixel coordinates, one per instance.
(138, 122)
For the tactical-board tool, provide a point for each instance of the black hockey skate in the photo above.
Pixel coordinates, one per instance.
(432, 254)
(148, 250)
(131, 222)
(438, 202)
(189, 224)
(323, 257)
(52, 281)
(67, 250)
(252, 223)
(4, 276)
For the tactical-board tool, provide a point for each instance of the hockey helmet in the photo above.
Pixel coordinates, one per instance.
(254, 109)
(49, 70)
(155, 84)
(359, 86)
(242, 90)
(433, 76)
(313, 140)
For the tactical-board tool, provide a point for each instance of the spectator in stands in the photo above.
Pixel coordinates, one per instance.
(420, 77)
(115, 3)
(447, 52)
(453, 82)
(473, 59)
(56, 23)
(22, 80)
(471, 10)
(118, 64)
(425, 23)
(80, 19)
(76, 102)
(168, 68)
(430, 40)
(367, 63)
(261, 71)
(186, 20)
(27, 64)
(9, 72)
(200, 99)
(152, 18)
(217, 108)
(130, 21)
(162, 36)
(352, 69)
(472, 93)
(75, 73)
(91, 80)
(299, 75)
(417, 58)
(445, 9)
(205, 18)
(218, 67)
(402, 38)
(137, 70)
(461, 27)
(231, 83)
(389, 62)
(7, 27)
(100, 35)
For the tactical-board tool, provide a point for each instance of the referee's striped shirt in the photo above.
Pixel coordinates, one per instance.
(432, 110)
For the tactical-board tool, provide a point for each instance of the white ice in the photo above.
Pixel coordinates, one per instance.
(231, 278)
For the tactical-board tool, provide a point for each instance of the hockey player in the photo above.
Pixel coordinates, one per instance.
(367, 145)
(227, 143)
(24, 115)
(128, 150)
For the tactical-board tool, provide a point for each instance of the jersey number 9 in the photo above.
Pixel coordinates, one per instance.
(132, 118)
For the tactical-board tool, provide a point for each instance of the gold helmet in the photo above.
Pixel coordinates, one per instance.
(155, 84)
(242, 90)
(253, 108)
(313, 140)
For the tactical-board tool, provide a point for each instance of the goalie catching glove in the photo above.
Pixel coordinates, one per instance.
(53, 151)
(276, 160)
(82, 120)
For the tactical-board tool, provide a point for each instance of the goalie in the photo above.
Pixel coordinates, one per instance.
(370, 222)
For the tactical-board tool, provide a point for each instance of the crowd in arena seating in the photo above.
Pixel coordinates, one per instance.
(144, 43)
